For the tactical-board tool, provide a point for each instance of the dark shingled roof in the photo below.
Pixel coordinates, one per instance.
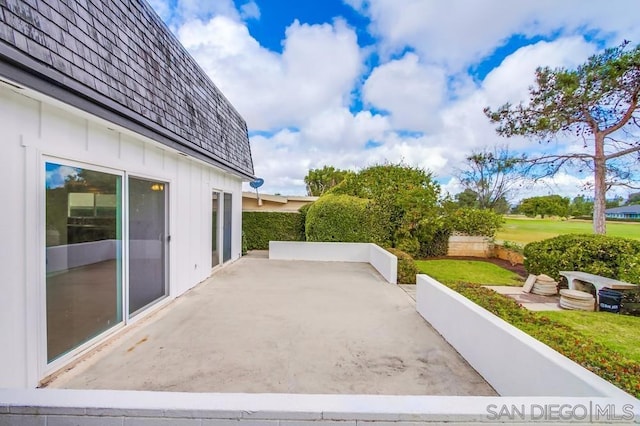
(632, 209)
(118, 60)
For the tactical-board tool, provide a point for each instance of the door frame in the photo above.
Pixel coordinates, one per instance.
(46, 368)
(166, 243)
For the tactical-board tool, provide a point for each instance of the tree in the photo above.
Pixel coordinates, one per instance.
(581, 206)
(596, 103)
(319, 181)
(547, 205)
(614, 202)
(409, 195)
(633, 198)
(467, 198)
(490, 175)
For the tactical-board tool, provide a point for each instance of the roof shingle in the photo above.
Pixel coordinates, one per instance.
(119, 55)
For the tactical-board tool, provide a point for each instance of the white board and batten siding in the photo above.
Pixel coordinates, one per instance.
(35, 129)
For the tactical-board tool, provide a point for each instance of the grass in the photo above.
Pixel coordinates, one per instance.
(525, 230)
(472, 271)
(618, 332)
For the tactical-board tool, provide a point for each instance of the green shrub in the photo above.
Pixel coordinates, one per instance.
(347, 219)
(474, 222)
(303, 219)
(261, 227)
(407, 268)
(406, 194)
(408, 244)
(631, 303)
(434, 238)
(611, 257)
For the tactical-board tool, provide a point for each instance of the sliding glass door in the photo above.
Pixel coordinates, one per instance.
(226, 228)
(83, 210)
(147, 242)
(85, 278)
(221, 233)
(215, 224)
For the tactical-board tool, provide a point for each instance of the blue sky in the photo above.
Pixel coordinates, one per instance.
(351, 83)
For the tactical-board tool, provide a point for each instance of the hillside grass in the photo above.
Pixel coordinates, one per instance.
(523, 230)
(618, 332)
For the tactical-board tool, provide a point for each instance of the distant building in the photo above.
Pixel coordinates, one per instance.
(624, 212)
(274, 203)
(122, 167)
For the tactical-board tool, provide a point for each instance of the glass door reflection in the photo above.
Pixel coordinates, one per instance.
(83, 208)
(215, 209)
(147, 242)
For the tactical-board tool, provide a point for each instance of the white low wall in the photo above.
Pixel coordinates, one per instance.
(384, 262)
(513, 362)
(61, 258)
(106, 408)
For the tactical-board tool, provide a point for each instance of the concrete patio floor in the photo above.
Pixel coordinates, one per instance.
(270, 326)
(530, 301)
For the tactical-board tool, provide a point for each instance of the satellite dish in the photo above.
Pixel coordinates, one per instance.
(256, 183)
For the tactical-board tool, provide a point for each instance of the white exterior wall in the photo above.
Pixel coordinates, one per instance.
(33, 129)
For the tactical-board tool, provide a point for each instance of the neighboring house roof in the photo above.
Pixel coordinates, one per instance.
(119, 61)
(283, 199)
(632, 209)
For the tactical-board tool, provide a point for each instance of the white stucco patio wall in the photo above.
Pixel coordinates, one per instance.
(513, 362)
(111, 408)
(383, 261)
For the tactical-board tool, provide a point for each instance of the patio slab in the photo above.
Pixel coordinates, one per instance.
(530, 301)
(270, 326)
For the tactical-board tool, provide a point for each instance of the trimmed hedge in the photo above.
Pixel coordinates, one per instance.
(345, 218)
(407, 268)
(612, 257)
(259, 228)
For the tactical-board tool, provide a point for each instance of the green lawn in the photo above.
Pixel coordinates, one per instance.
(525, 230)
(618, 332)
(471, 271)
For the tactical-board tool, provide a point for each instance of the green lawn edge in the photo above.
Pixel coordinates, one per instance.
(477, 271)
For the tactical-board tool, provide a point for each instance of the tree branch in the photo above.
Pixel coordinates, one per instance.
(627, 115)
(622, 153)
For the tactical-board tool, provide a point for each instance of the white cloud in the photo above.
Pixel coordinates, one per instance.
(250, 10)
(303, 96)
(465, 128)
(410, 91)
(509, 82)
(337, 137)
(461, 32)
(162, 8)
(317, 69)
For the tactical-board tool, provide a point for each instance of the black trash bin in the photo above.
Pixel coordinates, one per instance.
(609, 300)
